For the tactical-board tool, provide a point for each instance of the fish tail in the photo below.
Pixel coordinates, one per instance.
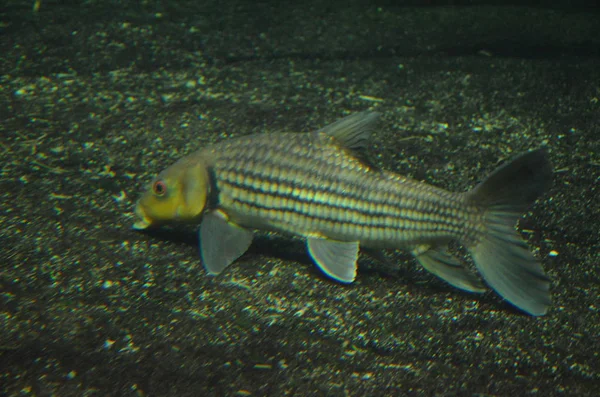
(500, 254)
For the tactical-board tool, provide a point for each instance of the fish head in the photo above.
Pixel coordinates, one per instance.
(177, 194)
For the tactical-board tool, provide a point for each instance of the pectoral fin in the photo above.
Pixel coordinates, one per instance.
(337, 259)
(221, 242)
(448, 268)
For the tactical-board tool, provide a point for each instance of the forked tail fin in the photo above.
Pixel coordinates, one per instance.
(501, 255)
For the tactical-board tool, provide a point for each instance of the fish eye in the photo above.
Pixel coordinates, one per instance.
(159, 188)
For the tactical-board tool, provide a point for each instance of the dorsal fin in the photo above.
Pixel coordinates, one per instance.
(353, 132)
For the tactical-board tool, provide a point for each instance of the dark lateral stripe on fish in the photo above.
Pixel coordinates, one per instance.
(347, 229)
(338, 191)
(425, 202)
(288, 169)
(293, 209)
(277, 197)
(333, 199)
(374, 230)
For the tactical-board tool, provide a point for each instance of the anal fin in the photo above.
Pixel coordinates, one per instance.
(440, 263)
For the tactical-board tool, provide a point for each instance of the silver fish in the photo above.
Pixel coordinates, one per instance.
(317, 186)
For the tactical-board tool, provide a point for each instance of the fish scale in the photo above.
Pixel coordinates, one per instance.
(321, 192)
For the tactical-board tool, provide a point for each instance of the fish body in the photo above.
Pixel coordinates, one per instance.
(303, 184)
(315, 185)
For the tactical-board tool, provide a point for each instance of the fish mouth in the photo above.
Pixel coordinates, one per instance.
(142, 222)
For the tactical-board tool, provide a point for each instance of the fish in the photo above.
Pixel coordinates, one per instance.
(321, 186)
